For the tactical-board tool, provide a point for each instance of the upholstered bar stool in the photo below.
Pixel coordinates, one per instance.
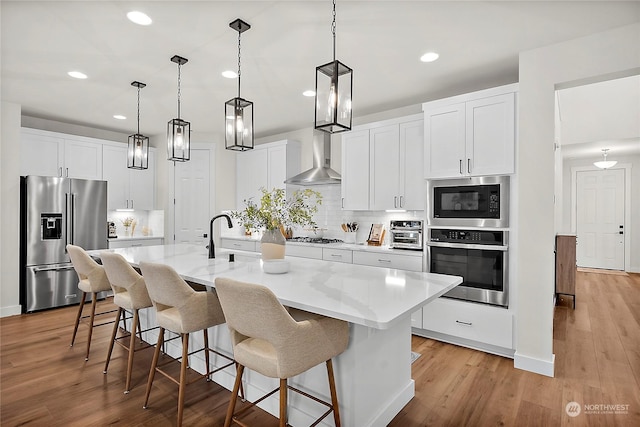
(93, 279)
(129, 294)
(278, 343)
(182, 310)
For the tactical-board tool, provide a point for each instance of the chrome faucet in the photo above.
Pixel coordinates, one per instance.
(212, 249)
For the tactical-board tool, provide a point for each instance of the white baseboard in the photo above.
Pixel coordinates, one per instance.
(11, 310)
(531, 364)
(633, 269)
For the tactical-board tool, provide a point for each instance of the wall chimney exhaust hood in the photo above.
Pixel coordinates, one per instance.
(321, 172)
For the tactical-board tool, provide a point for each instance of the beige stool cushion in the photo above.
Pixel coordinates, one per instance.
(91, 274)
(267, 339)
(179, 308)
(129, 289)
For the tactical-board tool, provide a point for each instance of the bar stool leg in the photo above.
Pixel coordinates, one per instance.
(132, 345)
(234, 396)
(154, 363)
(75, 328)
(334, 395)
(206, 352)
(283, 402)
(113, 339)
(183, 376)
(94, 301)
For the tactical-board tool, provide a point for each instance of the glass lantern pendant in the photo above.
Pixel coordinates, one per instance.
(334, 82)
(238, 111)
(138, 144)
(178, 130)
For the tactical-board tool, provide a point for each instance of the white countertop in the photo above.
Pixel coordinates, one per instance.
(370, 296)
(119, 238)
(350, 246)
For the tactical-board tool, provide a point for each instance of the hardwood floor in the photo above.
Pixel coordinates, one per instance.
(45, 382)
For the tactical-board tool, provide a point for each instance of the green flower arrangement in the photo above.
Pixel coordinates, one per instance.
(276, 211)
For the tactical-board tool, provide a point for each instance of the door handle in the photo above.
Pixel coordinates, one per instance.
(395, 201)
(400, 201)
(131, 203)
(468, 165)
(67, 172)
(460, 167)
(205, 235)
(621, 232)
(60, 171)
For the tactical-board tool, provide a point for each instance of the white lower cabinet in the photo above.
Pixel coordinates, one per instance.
(241, 245)
(338, 255)
(312, 252)
(479, 323)
(131, 243)
(416, 319)
(377, 259)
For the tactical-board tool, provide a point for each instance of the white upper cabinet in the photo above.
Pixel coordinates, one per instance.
(52, 154)
(471, 135)
(384, 163)
(355, 170)
(383, 166)
(127, 188)
(412, 183)
(268, 166)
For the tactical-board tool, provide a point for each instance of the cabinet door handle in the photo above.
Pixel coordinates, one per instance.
(60, 171)
(400, 201)
(395, 201)
(127, 203)
(67, 173)
(468, 165)
(131, 203)
(343, 203)
(460, 167)
(464, 323)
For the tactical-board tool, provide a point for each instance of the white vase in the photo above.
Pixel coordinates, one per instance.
(272, 244)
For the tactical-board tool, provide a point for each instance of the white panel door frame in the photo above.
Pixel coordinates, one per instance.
(627, 204)
(170, 220)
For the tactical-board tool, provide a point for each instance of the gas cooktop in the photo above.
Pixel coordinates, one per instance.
(320, 240)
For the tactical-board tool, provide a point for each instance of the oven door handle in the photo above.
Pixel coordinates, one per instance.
(502, 248)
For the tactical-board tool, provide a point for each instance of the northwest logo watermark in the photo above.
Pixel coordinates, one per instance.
(573, 409)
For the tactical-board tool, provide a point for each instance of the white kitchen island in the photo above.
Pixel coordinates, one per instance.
(373, 376)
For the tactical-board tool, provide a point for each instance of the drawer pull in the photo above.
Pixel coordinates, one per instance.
(464, 323)
(336, 255)
(237, 245)
(136, 244)
(384, 260)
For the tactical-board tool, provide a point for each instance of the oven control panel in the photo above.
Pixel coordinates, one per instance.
(467, 236)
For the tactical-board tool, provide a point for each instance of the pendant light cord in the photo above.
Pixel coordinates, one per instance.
(179, 65)
(138, 110)
(239, 33)
(333, 30)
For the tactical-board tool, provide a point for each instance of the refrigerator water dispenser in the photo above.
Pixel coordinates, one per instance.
(51, 225)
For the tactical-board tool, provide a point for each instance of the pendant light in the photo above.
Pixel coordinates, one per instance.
(334, 84)
(138, 144)
(178, 130)
(238, 111)
(604, 163)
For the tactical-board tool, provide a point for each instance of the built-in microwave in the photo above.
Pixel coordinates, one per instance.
(469, 202)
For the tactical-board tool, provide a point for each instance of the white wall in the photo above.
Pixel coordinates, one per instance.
(9, 209)
(542, 71)
(633, 229)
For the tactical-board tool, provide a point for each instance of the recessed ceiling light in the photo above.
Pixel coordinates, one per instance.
(429, 57)
(77, 75)
(309, 93)
(229, 74)
(139, 18)
(119, 117)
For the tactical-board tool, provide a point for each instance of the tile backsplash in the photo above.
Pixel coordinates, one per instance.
(330, 216)
(148, 223)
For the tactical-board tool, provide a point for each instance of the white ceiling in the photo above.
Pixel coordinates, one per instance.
(382, 41)
(600, 115)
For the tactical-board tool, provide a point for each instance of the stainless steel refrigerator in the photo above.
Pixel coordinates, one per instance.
(53, 213)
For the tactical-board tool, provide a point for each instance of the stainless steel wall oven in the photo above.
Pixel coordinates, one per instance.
(479, 256)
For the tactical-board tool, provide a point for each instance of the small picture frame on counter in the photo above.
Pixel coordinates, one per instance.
(376, 235)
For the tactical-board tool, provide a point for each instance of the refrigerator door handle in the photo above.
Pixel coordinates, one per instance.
(73, 218)
(66, 225)
(38, 270)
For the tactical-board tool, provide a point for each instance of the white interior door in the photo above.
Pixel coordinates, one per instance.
(600, 219)
(192, 198)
